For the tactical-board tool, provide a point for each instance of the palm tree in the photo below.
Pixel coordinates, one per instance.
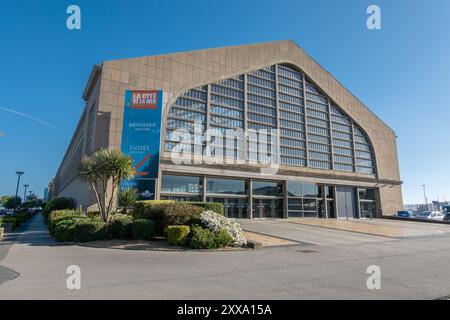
(127, 198)
(102, 169)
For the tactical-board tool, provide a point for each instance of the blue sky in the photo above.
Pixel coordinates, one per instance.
(401, 72)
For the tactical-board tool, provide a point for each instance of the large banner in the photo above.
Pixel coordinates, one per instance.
(141, 136)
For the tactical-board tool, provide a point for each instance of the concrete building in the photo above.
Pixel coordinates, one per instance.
(305, 146)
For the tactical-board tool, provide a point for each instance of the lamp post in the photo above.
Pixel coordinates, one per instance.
(425, 196)
(19, 174)
(25, 192)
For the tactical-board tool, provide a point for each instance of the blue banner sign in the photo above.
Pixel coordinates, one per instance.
(141, 136)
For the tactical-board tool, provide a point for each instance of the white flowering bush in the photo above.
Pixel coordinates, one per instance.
(216, 222)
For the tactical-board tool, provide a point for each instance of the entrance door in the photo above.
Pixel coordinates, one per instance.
(233, 207)
(236, 208)
(267, 208)
(346, 202)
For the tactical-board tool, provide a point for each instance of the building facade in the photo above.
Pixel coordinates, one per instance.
(262, 128)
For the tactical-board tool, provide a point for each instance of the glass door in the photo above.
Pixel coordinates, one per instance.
(267, 208)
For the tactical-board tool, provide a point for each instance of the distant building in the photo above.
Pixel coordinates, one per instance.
(335, 158)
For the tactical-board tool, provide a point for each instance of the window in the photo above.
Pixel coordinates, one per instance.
(290, 82)
(226, 112)
(292, 143)
(261, 109)
(261, 118)
(301, 189)
(293, 161)
(292, 152)
(292, 125)
(291, 107)
(292, 134)
(261, 82)
(292, 116)
(227, 91)
(261, 100)
(236, 84)
(261, 91)
(227, 101)
(290, 73)
(181, 184)
(267, 188)
(290, 99)
(317, 98)
(343, 167)
(264, 74)
(226, 186)
(290, 90)
(367, 194)
(274, 98)
(196, 94)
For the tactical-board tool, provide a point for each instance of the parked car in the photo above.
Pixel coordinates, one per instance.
(430, 215)
(3, 212)
(405, 213)
(446, 217)
(446, 209)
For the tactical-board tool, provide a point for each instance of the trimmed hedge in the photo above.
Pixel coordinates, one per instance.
(206, 239)
(143, 229)
(167, 212)
(10, 219)
(63, 231)
(61, 215)
(217, 207)
(143, 209)
(178, 235)
(61, 224)
(181, 213)
(58, 204)
(120, 226)
(85, 231)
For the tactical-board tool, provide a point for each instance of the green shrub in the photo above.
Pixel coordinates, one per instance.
(181, 213)
(120, 226)
(94, 215)
(223, 238)
(90, 231)
(167, 212)
(63, 231)
(178, 235)
(206, 239)
(58, 204)
(202, 238)
(143, 229)
(213, 206)
(10, 219)
(61, 215)
(145, 209)
(61, 224)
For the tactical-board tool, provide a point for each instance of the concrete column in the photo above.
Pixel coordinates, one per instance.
(204, 188)
(306, 121)
(331, 134)
(285, 200)
(250, 199)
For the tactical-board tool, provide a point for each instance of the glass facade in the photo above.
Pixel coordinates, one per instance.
(265, 198)
(226, 186)
(267, 188)
(312, 130)
(367, 202)
(181, 184)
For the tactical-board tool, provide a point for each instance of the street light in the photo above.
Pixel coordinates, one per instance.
(25, 192)
(19, 174)
(425, 196)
